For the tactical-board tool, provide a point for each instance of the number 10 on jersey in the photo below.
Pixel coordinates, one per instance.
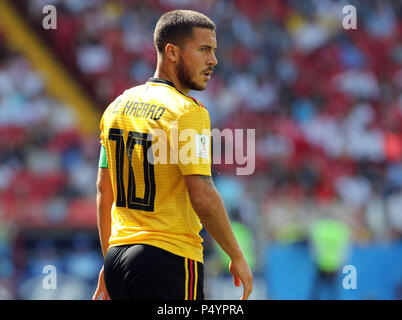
(128, 198)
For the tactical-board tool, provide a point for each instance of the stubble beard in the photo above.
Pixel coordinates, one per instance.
(184, 75)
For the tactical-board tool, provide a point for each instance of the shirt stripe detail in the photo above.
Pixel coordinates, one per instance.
(191, 279)
(196, 279)
(186, 280)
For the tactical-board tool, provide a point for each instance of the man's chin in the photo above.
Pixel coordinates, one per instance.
(199, 86)
(196, 85)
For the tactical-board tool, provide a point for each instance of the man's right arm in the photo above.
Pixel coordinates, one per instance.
(104, 203)
(208, 205)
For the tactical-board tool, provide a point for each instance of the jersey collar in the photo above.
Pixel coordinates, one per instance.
(159, 80)
(171, 84)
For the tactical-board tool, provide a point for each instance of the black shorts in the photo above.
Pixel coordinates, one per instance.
(144, 272)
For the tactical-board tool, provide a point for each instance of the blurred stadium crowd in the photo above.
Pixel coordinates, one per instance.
(326, 104)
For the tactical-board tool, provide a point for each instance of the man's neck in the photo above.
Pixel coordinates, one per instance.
(170, 76)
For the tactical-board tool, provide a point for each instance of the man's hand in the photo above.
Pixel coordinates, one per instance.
(101, 288)
(242, 274)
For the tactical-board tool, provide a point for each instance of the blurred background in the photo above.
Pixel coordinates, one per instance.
(320, 218)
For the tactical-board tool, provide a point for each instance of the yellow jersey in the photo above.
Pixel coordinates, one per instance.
(153, 136)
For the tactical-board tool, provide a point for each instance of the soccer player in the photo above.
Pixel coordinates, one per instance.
(150, 213)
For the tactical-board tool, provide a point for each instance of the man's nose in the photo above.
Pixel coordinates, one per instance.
(213, 60)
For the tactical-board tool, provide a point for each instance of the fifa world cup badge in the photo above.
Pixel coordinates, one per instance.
(202, 145)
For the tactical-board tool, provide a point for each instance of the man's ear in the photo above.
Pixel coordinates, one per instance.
(172, 52)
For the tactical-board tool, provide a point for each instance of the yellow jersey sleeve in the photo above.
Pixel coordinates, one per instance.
(102, 138)
(194, 142)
